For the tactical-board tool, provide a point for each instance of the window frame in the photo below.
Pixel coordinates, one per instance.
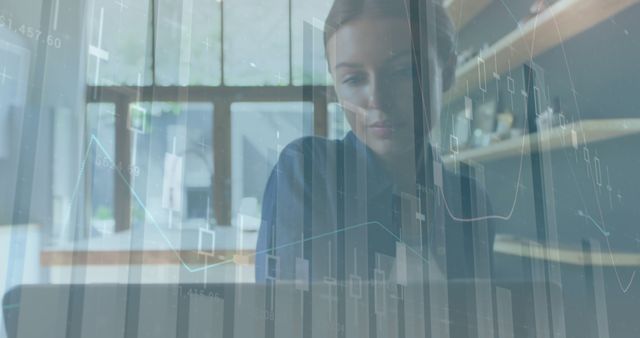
(221, 97)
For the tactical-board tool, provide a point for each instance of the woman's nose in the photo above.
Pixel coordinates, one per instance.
(373, 102)
(376, 94)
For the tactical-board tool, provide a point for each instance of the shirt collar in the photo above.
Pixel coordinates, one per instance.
(378, 178)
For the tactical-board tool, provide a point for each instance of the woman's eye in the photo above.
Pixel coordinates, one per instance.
(353, 80)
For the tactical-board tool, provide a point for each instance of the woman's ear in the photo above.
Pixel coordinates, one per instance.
(449, 72)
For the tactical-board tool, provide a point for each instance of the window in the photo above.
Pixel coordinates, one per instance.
(101, 121)
(307, 42)
(200, 42)
(188, 43)
(337, 123)
(259, 132)
(119, 42)
(256, 53)
(173, 134)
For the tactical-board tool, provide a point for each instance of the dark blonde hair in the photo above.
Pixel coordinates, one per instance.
(345, 11)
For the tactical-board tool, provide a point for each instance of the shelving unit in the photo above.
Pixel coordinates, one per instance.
(561, 21)
(463, 11)
(556, 138)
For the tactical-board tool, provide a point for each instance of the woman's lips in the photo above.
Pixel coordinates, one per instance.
(382, 129)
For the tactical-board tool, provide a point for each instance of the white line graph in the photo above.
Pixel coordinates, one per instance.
(624, 287)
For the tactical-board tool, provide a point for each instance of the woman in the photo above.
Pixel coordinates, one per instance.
(339, 210)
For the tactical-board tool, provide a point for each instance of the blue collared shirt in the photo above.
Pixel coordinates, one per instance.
(330, 210)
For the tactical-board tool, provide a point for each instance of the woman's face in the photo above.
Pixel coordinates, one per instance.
(370, 60)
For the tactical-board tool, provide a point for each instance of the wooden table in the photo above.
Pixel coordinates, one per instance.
(157, 251)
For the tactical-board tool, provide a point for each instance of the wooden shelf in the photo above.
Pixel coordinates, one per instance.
(514, 246)
(463, 11)
(556, 138)
(560, 22)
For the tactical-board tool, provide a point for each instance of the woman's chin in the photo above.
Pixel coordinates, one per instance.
(386, 148)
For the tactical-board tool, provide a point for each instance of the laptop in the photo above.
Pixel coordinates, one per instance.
(327, 309)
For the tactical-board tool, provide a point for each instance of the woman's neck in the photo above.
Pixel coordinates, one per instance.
(402, 169)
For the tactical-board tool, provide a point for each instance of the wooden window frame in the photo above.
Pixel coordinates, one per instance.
(221, 97)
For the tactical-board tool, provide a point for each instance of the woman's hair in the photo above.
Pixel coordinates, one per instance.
(344, 11)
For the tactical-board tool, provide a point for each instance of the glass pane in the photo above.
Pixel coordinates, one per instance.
(101, 120)
(337, 123)
(118, 42)
(259, 132)
(188, 43)
(171, 136)
(256, 43)
(307, 25)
